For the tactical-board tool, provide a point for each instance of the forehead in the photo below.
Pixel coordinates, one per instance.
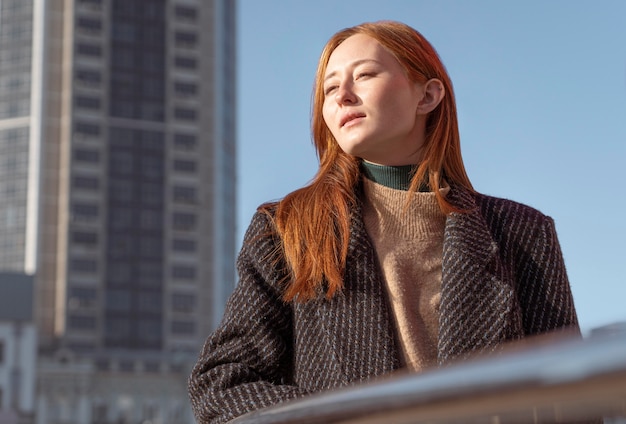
(355, 48)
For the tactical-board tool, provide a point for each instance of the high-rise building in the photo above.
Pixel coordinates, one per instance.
(117, 171)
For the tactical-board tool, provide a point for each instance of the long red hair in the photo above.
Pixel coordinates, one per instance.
(314, 222)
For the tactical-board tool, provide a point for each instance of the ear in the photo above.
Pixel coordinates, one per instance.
(432, 94)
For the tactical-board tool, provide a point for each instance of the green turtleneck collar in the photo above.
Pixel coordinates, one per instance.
(396, 177)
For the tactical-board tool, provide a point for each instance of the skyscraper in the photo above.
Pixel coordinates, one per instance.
(117, 169)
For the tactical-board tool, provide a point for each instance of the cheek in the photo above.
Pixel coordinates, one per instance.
(328, 115)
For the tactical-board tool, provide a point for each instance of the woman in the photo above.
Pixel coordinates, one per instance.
(389, 259)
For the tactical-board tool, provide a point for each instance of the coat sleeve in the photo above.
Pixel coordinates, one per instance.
(246, 364)
(544, 290)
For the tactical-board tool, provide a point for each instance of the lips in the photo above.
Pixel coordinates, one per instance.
(350, 117)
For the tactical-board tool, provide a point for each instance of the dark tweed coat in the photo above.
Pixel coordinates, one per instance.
(503, 279)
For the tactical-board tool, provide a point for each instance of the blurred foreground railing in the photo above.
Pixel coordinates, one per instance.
(565, 381)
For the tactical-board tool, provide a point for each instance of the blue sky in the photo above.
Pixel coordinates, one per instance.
(541, 96)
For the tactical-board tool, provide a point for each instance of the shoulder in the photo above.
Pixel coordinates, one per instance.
(503, 209)
(261, 229)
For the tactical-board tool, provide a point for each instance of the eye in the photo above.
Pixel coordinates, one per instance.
(365, 74)
(329, 90)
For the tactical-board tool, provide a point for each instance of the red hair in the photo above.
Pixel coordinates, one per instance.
(314, 222)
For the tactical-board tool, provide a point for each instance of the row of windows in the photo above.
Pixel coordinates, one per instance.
(150, 193)
(125, 136)
(181, 89)
(125, 244)
(123, 300)
(121, 218)
(147, 271)
(90, 50)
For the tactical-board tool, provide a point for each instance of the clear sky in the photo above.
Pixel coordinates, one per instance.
(541, 95)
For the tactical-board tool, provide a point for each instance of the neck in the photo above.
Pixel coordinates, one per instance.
(396, 177)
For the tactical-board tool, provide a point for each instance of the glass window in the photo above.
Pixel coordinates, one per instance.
(89, 24)
(84, 211)
(86, 183)
(185, 39)
(185, 194)
(150, 273)
(89, 50)
(118, 300)
(185, 62)
(86, 155)
(185, 141)
(150, 302)
(120, 191)
(185, 114)
(186, 166)
(185, 12)
(88, 102)
(185, 89)
(181, 328)
(80, 322)
(184, 245)
(84, 128)
(85, 238)
(82, 297)
(183, 302)
(89, 76)
(184, 221)
(184, 272)
(84, 265)
(121, 162)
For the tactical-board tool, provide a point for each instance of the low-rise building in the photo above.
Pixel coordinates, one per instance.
(18, 349)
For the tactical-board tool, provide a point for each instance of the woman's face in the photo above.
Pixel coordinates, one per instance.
(370, 106)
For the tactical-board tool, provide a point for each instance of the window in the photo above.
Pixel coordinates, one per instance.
(184, 114)
(185, 89)
(89, 24)
(183, 245)
(186, 166)
(185, 39)
(185, 141)
(183, 302)
(184, 272)
(184, 221)
(89, 50)
(81, 297)
(86, 129)
(185, 13)
(183, 328)
(85, 155)
(2, 351)
(88, 102)
(86, 183)
(150, 273)
(185, 62)
(89, 266)
(84, 212)
(150, 247)
(89, 77)
(79, 322)
(118, 300)
(184, 194)
(85, 238)
(150, 302)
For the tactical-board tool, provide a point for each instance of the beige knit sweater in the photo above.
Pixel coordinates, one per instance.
(409, 247)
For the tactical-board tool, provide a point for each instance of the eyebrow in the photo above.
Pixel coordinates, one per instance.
(354, 65)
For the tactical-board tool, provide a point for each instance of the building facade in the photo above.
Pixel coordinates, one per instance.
(117, 174)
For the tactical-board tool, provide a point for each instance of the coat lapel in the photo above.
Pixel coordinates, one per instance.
(477, 295)
(358, 321)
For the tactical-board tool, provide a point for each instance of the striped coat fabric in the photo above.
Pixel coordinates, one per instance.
(503, 279)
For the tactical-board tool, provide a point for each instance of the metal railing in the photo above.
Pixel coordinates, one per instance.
(562, 381)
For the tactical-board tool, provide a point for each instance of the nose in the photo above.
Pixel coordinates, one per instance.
(345, 95)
